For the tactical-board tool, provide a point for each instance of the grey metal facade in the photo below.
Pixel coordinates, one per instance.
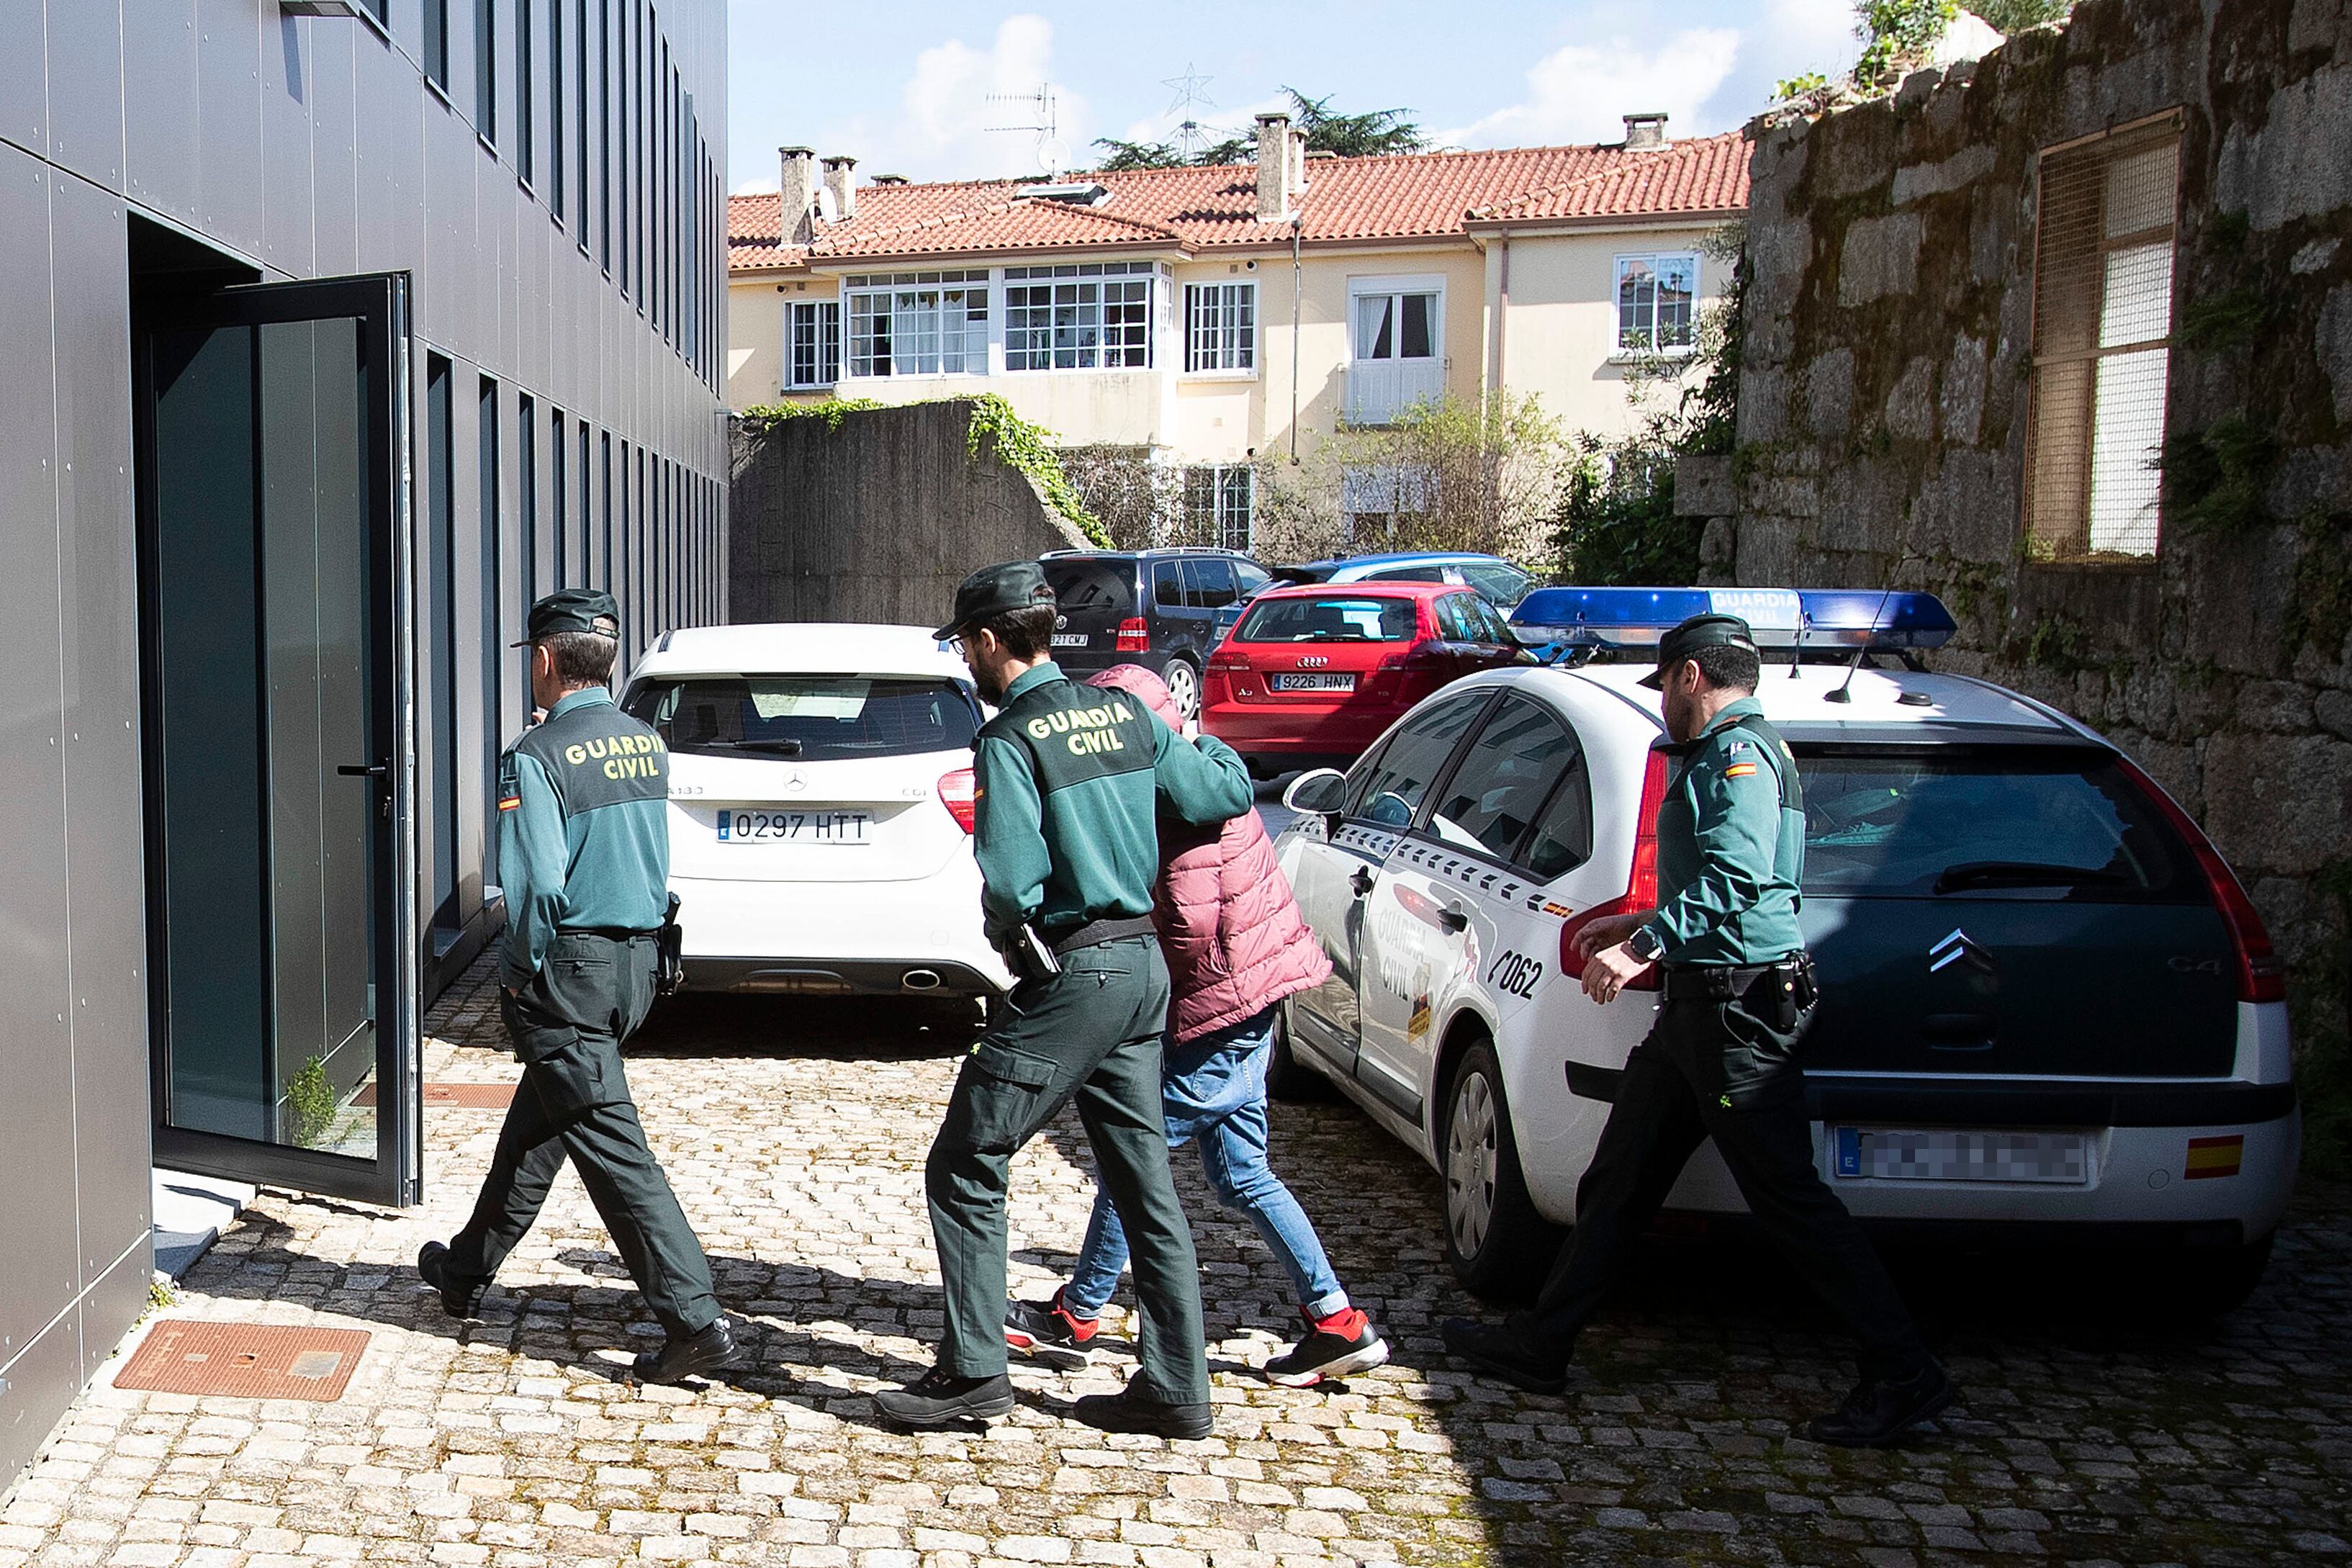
(312, 148)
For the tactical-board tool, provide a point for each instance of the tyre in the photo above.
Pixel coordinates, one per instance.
(1288, 1077)
(1184, 686)
(1495, 1242)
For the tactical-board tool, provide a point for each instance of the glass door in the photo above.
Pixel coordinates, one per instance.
(279, 734)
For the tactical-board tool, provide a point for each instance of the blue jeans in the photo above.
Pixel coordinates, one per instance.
(1213, 1095)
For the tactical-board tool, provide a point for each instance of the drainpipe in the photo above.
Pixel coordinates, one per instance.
(1502, 314)
(1296, 274)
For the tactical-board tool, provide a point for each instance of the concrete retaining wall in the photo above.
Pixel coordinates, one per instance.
(875, 520)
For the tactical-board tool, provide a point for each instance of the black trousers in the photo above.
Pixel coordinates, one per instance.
(567, 1026)
(1720, 1069)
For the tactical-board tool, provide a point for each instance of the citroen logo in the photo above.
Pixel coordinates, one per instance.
(1958, 948)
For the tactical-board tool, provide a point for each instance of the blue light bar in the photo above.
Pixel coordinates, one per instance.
(1781, 618)
(1848, 617)
(1638, 617)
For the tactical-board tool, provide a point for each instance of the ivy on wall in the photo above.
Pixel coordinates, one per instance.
(1025, 447)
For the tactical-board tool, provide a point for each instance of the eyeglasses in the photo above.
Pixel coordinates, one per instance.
(955, 646)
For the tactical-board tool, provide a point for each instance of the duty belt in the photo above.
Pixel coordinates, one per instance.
(1723, 981)
(1094, 933)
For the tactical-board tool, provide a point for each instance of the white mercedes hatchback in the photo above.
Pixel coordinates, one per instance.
(821, 809)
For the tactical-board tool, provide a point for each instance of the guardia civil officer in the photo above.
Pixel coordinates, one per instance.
(584, 855)
(1070, 781)
(1721, 1060)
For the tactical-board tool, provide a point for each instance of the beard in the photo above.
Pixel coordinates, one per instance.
(990, 684)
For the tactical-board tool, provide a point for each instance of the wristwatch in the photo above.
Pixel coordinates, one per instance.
(1646, 945)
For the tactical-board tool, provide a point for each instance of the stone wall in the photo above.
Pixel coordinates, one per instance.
(876, 518)
(1883, 406)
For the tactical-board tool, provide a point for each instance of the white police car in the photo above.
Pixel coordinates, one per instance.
(2049, 1011)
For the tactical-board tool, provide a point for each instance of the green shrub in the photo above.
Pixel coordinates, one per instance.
(309, 1104)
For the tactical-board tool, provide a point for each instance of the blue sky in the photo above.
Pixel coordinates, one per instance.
(904, 87)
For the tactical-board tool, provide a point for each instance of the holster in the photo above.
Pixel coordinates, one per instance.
(669, 946)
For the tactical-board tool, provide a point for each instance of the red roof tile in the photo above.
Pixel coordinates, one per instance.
(1409, 197)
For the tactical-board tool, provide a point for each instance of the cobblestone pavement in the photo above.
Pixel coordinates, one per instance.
(796, 1135)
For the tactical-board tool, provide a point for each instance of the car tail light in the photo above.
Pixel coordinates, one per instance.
(1134, 637)
(1642, 885)
(1226, 662)
(957, 793)
(2261, 976)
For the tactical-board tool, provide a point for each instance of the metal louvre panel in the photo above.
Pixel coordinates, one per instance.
(2102, 334)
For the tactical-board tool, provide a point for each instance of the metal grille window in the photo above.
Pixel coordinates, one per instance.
(1220, 327)
(1220, 504)
(2102, 344)
(1656, 295)
(919, 323)
(812, 345)
(1078, 316)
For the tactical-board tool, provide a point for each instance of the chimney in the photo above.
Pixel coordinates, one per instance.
(1297, 160)
(799, 164)
(841, 179)
(1646, 133)
(1277, 187)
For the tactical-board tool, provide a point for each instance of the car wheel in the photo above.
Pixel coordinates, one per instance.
(1184, 686)
(1288, 1077)
(1495, 1242)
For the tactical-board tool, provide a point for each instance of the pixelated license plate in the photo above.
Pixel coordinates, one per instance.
(2055, 1159)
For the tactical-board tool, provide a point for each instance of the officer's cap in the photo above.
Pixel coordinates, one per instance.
(1696, 633)
(994, 590)
(574, 610)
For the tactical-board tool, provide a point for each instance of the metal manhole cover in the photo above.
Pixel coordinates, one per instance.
(454, 1095)
(243, 1361)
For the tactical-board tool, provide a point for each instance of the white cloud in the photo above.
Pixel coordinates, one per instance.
(1582, 93)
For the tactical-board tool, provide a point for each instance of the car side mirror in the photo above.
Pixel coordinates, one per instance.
(1319, 791)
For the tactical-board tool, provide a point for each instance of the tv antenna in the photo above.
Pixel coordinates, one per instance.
(1192, 91)
(1041, 122)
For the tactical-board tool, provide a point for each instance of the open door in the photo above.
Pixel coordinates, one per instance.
(272, 448)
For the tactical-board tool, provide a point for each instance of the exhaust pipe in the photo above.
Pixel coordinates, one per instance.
(919, 980)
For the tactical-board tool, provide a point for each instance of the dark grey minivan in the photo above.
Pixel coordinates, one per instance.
(1157, 608)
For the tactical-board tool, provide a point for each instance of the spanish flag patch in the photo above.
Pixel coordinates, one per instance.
(1738, 769)
(509, 802)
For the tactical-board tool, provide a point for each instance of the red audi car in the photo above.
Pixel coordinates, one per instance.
(1312, 676)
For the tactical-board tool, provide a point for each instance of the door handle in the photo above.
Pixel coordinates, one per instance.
(1453, 922)
(1361, 881)
(364, 770)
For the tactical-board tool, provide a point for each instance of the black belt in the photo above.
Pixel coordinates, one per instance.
(1094, 933)
(610, 933)
(1721, 982)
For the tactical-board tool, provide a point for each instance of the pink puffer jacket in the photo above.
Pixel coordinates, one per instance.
(1234, 939)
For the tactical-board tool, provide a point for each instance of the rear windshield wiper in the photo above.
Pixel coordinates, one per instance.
(2023, 874)
(783, 748)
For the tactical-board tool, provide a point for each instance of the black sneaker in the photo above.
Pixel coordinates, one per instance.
(697, 1355)
(1049, 1332)
(1334, 1347)
(940, 1399)
(1506, 1355)
(459, 1297)
(1881, 1410)
(1128, 1411)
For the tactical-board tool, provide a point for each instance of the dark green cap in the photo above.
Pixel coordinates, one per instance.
(574, 610)
(992, 590)
(1698, 632)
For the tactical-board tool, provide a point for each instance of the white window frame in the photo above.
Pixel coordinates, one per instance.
(1629, 343)
(1068, 287)
(1221, 329)
(1363, 371)
(828, 354)
(1233, 498)
(904, 292)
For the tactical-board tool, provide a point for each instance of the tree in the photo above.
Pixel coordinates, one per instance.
(2016, 16)
(1375, 133)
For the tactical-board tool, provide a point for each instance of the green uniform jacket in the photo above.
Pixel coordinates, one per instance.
(583, 829)
(1731, 845)
(1069, 782)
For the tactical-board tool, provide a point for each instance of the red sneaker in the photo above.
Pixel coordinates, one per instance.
(1335, 1346)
